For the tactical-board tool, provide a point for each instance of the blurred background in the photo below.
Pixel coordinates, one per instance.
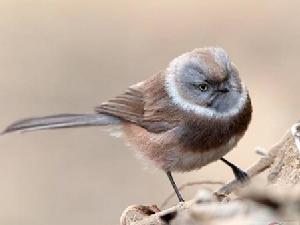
(68, 56)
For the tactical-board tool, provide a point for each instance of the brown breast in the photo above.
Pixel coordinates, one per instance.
(202, 134)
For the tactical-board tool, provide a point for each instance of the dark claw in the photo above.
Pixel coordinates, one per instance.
(239, 174)
(168, 217)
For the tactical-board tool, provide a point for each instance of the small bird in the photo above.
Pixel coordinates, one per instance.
(188, 115)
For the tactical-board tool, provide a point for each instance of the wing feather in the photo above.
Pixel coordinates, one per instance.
(128, 106)
(146, 104)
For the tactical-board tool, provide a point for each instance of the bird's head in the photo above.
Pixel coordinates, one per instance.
(206, 82)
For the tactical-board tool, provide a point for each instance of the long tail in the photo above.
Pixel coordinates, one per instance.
(61, 121)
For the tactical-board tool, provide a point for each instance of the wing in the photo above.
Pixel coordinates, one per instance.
(128, 106)
(147, 104)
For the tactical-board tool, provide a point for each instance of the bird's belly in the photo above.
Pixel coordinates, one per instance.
(190, 160)
(165, 152)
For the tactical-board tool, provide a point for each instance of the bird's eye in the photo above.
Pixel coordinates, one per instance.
(203, 87)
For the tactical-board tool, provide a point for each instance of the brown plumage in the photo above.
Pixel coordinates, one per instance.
(145, 104)
(186, 116)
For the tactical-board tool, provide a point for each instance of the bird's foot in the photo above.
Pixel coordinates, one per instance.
(240, 175)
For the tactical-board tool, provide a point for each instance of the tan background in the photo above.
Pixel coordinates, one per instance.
(67, 56)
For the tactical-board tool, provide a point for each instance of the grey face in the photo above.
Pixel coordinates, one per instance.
(210, 80)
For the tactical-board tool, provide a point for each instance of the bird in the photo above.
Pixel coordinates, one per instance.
(184, 117)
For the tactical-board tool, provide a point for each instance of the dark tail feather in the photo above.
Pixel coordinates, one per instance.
(61, 121)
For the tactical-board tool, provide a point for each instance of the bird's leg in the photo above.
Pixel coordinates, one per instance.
(239, 174)
(174, 186)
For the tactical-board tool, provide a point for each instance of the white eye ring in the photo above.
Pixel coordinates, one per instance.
(203, 87)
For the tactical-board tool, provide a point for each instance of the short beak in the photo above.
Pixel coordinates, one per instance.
(223, 90)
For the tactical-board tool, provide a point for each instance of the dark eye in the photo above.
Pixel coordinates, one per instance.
(203, 87)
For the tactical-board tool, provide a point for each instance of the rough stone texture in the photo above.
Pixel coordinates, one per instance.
(286, 166)
(272, 197)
